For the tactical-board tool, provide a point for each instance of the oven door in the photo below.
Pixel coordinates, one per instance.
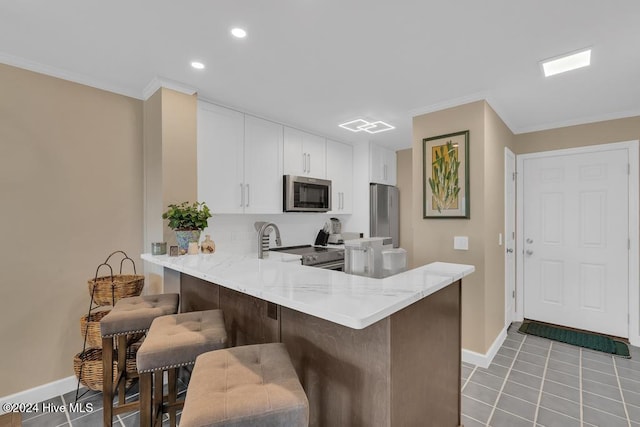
(332, 265)
(302, 194)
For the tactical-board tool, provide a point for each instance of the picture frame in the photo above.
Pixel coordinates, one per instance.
(173, 251)
(445, 181)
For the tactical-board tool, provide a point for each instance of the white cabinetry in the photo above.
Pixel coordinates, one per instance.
(304, 154)
(220, 162)
(262, 166)
(382, 165)
(340, 172)
(239, 161)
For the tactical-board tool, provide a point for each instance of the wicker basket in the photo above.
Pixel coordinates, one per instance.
(94, 338)
(122, 285)
(91, 365)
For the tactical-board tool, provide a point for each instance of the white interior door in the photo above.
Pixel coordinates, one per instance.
(576, 240)
(509, 235)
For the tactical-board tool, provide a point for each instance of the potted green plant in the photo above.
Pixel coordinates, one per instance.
(188, 221)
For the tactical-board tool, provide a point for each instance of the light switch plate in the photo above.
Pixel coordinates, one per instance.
(461, 243)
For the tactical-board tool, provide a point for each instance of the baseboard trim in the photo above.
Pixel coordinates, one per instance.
(42, 392)
(484, 360)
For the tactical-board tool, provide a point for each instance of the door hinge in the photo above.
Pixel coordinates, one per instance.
(513, 176)
(513, 294)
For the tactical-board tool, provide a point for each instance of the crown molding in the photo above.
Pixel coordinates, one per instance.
(467, 99)
(581, 121)
(59, 73)
(158, 82)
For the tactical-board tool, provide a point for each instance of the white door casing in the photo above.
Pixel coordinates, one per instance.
(578, 234)
(509, 235)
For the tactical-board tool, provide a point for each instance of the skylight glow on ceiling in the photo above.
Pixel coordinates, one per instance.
(566, 63)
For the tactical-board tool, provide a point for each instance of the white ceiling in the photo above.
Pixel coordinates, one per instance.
(317, 63)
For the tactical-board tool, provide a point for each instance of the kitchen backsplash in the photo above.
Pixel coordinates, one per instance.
(236, 233)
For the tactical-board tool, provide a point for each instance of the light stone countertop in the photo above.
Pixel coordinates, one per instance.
(349, 300)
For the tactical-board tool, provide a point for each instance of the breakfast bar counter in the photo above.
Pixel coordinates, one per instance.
(369, 352)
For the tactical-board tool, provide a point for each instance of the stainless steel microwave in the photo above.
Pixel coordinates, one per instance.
(303, 194)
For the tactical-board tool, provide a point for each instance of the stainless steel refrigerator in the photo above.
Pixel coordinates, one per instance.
(384, 212)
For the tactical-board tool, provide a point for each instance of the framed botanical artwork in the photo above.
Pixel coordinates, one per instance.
(446, 175)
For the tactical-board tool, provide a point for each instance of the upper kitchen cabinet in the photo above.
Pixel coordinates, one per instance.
(340, 172)
(382, 165)
(220, 158)
(239, 161)
(262, 166)
(304, 154)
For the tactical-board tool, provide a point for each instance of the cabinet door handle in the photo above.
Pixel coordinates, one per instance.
(304, 162)
(342, 207)
(241, 195)
(309, 163)
(248, 196)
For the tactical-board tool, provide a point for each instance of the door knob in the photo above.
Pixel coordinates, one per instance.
(509, 250)
(529, 252)
(529, 240)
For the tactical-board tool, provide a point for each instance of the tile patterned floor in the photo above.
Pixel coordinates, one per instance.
(532, 382)
(537, 382)
(90, 418)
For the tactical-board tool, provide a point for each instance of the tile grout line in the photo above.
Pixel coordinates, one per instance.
(580, 385)
(624, 404)
(66, 413)
(544, 374)
(506, 377)
(468, 378)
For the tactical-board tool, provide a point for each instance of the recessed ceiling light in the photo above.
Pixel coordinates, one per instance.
(367, 126)
(197, 65)
(566, 63)
(239, 33)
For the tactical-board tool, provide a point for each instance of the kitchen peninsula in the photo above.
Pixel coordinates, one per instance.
(369, 352)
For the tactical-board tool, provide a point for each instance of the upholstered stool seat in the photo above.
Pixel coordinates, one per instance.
(135, 314)
(253, 385)
(129, 316)
(172, 342)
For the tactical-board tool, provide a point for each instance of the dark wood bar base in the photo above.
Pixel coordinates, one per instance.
(404, 370)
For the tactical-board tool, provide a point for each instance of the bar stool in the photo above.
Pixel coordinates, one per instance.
(173, 342)
(129, 316)
(247, 386)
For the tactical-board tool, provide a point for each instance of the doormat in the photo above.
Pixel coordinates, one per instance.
(588, 340)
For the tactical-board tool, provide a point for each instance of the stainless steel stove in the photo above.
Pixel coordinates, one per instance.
(317, 256)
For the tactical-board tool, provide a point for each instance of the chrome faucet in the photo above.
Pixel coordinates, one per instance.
(262, 228)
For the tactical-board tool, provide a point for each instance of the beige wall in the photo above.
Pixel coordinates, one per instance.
(497, 137)
(483, 291)
(71, 193)
(404, 161)
(170, 167)
(433, 238)
(179, 163)
(577, 136)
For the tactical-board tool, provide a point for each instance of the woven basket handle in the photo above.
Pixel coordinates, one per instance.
(126, 257)
(106, 264)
